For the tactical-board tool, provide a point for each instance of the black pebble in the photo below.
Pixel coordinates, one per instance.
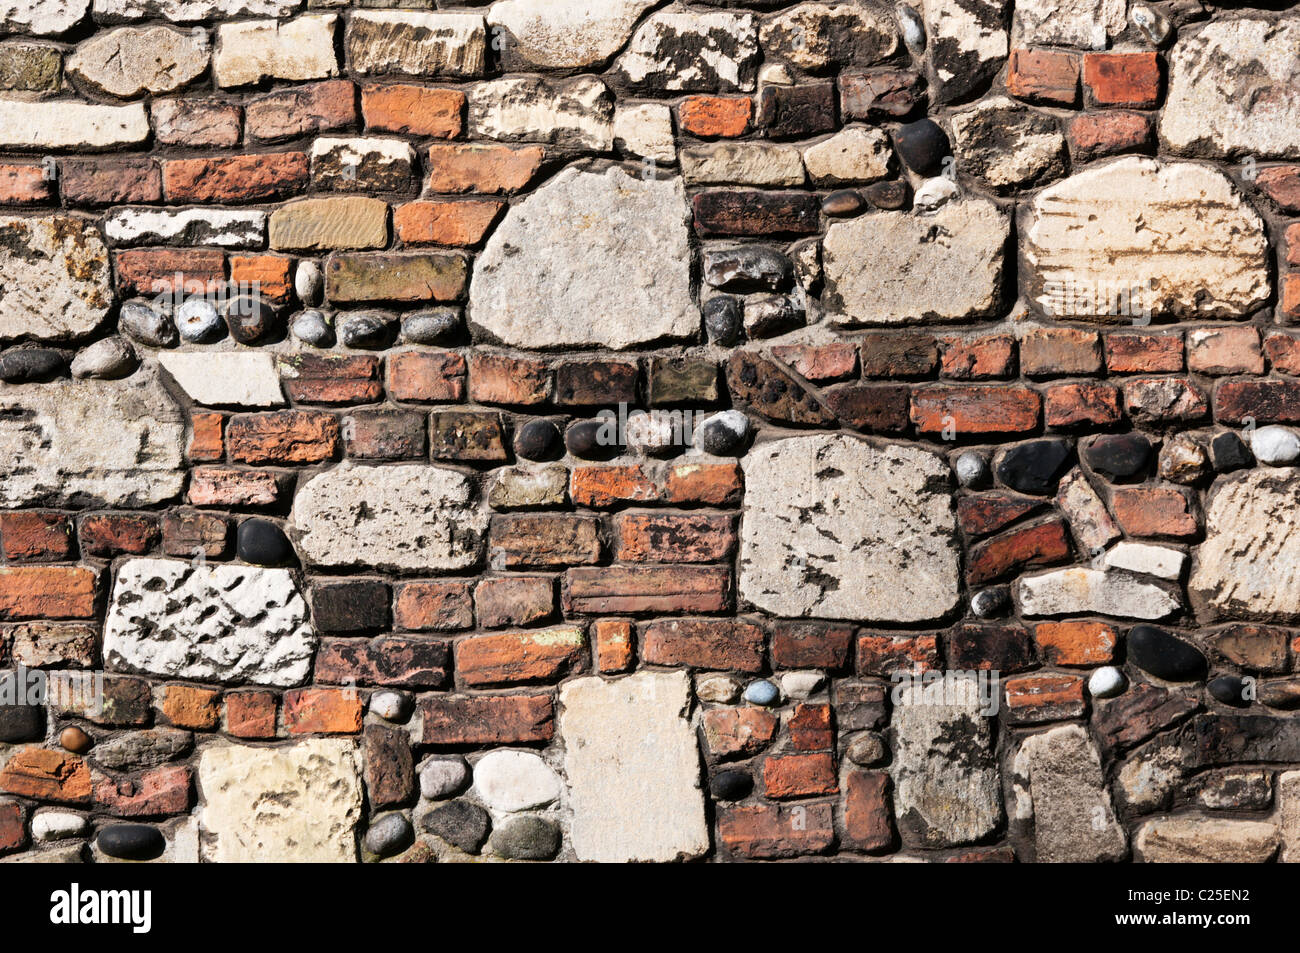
(30, 364)
(722, 320)
(367, 330)
(1164, 656)
(459, 823)
(732, 785)
(1034, 467)
(526, 838)
(250, 319)
(1118, 456)
(1228, 689)
(262, 543)
(131, 841)
(1229, 452)
(922, 145)
(21, 722)
(537, 440)
(584, 440)
(889, 196)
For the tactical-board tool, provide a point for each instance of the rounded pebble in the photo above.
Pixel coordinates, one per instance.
(308, 283)
(75, 740)
(146, 325)
(57, 825)
(459, 823)
(1276, 446)
(762, 692)
(1035, 467)
(435, 326)
(198, 321)
(802, 684)
(867, 749)
(131, 841)
(391, 706)
(913, 29)
(972, 470)
(1106, 682)
(263, 543)
(935, 192)
(1118, 456)
(515, 781)
(731, 785)
(366, 330)
(30, 364)
(107, 359)
(722, 320)
(888, 196)
(538, 440)
(720, 689)
(389, 834)
(249, 319)
(723, 434)
(922, 145)
(1164, 655)
(844, 203)
(443, 777)
(990, 602)
(1229, 689)
(312, 328)
(526, 838)
(590, 440)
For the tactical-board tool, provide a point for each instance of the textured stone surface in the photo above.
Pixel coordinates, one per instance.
(407, 518)
(557, 34)
(42, 17)
(943, 267)
(296, 803)
(1070, 591)
(190, 11)
(231, 379)
(610, 282)
(114, 442)
(225, 228)
(678, 50)
(408, 43)
(1087, 24)
(226, 624)
(632, 767)
(577, 113)
(131, 61)
(967, 42)
(55, 282)
(267, 49)
(814, 36)
(836, 528)
(1202, 249)
(1189, 839)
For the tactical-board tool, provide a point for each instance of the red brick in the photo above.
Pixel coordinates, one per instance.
(1038, 698)
(514, 600)
(186, 533)
(327, 711)
(1090, 403)
(47, 775)
(392, 660)
(1291, 238)
(189, 707)
(709, 484)
(37, 536)
(1220, 351)
(331, 378)
(738, 732)
(301, 111)
(113, 534)
(1164, 399)
(435, 605)
(974, 410)
(426, 376)
(1095, 135)
(502, 379)
(25, 184)
(982, 357)
(1044, 76)
(615, 645)
(283, 437)
(1053, 352)
(385, 435)
(675, 537)
(543, 539)
(54, 592)
(244, 178)
(774, 831)
(883, 655)
(110, 181)
(512, 658)
(599, 487)
(818, 363)
(1076, 642)
(799, 775)
(268, 276)
(981, 515)
(460, 224)
(718, 644)
(1154, 511)
(206, 436)
(1122, 79)
(1274, 400)
(191, 270)
(715, 117)
(12, 832)
(1018, 549)
(1289, 304)
(1281, 184)
(487, 719)
(1283, 350)
(596, 383)
(868, 821)
(250, 714)
(491, 169)
(1141, 353)
(810, 644)
(811, 728)
(226, 486)
(413, 110)
(153, 793)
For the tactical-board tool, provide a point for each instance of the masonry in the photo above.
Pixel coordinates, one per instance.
(316, 320)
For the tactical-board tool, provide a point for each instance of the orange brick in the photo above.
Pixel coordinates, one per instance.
(1233, 350)
(715, 117)
(40, 536)
(426, 376)
(25, 185)
(265, 275)
(491, 169)
(413, 110)
(250, 714)
(41, 592)
(977, 358)
(45, 774)
(1076, 642)
(1122, 79)
(189, 707)
(462, 224)
(1044, 76)
(974, 410)
(503, 379)
(206, 440)
(615, 648)
(433, 605)
(604, 486)
(1142, 353)
(1153, 511)
(513, 658)
(326, 711)
(709, 484)
(799, 775)
(737, 732)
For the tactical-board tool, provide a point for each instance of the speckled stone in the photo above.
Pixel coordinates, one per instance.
(459, 823)
(526, 838)
(389, 835)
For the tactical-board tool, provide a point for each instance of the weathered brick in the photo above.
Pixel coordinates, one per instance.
(868, 821)
(634, 589)
(207, 440)
(880, 93)
(197, 123)
(1037, 698)
(715, 117)
(47, 775)
(975, 410)
(480, 167)
(436, 605)
(900, 354)
(25, 184)
(283, 437)
(797, 112)
(1164, 399)
(1087, 404)
(113, 534)
(1076, 642)
(467, 436)
(188, 532)
(738, 732)
(1017, 549)
(187, 706)
(47, 592)
(301, 111)
(513, 658)
(722, 644)
(603, 486)
(1122, 79)
(799, 775)
(515, 600)
(250, 714)
(544, 540)
(1055, 352)
(982, 357)
(883, 655)
(460, 224)
(503, 379)
(426, 376)
(328, 711)
(811, 727)
(353, 605)
(390, 767)
(1044, 76)
(331, 378)
(396, 661)
(1266, 401)
(398, 277)
(246, 178)
(487, 719)
(709, 484)
(615, 645)
(740, 212)
(810, 644)
(384, 435)
(1154, 511)
(227, 486)
(872, 408)
(1095, 135)
(774, 831)
(153, 793)
(270, 275)
(37, 536)
(997, 648)
(13, 834)
(1225, 351)
(151, 272)
(674, 537)
(596, 383)
(413, 110)
(110, 181)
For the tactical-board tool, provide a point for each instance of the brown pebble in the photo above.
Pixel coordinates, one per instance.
(888, 195)
(843, 203)
(75, 740)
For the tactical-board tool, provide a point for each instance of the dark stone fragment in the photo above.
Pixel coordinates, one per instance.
(262, 543)
(250, 319)
(355, 606)
(538, 440)
(771, 315)
(526, 838)
(732, 785)
(797, 112)
(743, 212)
(596, 383)
(1164, 656)
(435, 326)
(889, 196)
(368, 330)
(459, 823)
(1237, 738)
(844, 203)
(1118, 456)
(988, 603)
(860, 705)
(1139, 713)
(722, 320)
(686, 380)
(998, 648)
(724, 434)
(1282, 694)
(592, 440)
(922, 145)
(131, 841)
(19, 722)
(1034, 467)
(1228, 689)
(390, 768)
(456, 435)
(747, 268)
(881, 92)
(389, 835)
(773, 393)
(30, 364)
(1229, 452)
(146, 325)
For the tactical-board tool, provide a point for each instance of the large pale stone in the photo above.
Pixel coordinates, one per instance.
(895, 267)
(403, 518)
(297, 803)
(744, 163)
(1059, 785)
(835, 528)
(225, 378)
(1007, 145)
(946, 781)
(565, 34)
(55, 282)
(967, 42)
(1141, 237)
(633, 768)
(1234, 90)
(815, 36)
(591, 259)
(408, 43)
(1076, 591)
(232, 625)
(1249, 565)
(515, 781)
(1193, 840)
(330, 224)
(131, 61)
(854, 154)
(223, 227)
(684, 50)
(578, 113)
(1087, 24)
(41, 17)
(68, 124)
(189, 11)
(298, 49)
(114, 443)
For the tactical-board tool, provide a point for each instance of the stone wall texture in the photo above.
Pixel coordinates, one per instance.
(702, 430)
